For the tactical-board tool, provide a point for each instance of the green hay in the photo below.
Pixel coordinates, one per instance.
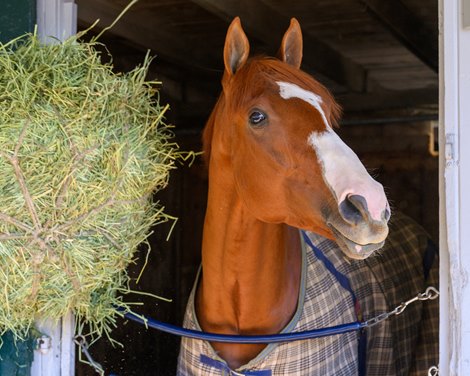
(82, 151)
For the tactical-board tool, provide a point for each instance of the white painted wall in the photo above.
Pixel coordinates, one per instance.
(454, 189)
(59, 359)
(56, 20)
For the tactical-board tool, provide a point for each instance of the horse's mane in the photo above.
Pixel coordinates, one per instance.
(274, 70)
(208, 131)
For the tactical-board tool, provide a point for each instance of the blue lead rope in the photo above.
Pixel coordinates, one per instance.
(265, 339)
(229, 338)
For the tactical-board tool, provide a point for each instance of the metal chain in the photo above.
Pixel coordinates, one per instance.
(433, 371)
(431, 293)
(82, 343)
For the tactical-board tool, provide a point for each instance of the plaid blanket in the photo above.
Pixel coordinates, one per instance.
(402, 345)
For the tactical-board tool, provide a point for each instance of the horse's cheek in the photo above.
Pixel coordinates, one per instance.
(261, 193)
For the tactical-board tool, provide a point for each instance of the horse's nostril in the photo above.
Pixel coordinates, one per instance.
(353, 209)
(387, 214)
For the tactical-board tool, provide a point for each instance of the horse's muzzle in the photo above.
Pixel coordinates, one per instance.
(355, 230)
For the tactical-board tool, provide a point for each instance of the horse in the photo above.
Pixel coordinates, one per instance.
(275, 166)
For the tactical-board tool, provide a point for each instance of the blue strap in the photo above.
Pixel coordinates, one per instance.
(340, 277)
(428, 258)
(343, 280)
(362, 352)
(221, 366)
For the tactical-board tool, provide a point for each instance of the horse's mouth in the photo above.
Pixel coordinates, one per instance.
(352, 249)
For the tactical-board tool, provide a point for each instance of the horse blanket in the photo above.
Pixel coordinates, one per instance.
(406, 344)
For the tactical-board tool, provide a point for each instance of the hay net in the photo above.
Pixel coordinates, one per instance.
(82, 150)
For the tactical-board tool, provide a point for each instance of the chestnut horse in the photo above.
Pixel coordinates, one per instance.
(275, 166)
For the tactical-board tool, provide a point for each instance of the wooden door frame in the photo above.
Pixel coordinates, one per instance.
(56, 20)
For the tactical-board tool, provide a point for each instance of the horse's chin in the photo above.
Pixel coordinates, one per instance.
(352, 249)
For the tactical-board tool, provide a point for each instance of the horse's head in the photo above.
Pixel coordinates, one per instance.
(273, 130)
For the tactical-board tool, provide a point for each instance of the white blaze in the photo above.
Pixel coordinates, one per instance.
(288, 90)
(342, 170)
(345, 174)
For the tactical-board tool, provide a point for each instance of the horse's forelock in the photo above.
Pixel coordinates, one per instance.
(278, 71)
(261, 68)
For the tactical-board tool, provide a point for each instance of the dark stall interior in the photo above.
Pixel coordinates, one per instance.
(377, 57)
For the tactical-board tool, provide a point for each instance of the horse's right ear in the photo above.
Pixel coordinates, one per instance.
(236, 47)
(292, 45)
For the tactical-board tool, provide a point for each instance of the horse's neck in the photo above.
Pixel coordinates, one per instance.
(251, 269)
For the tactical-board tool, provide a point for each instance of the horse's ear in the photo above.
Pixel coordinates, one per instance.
(291, 46)
(236, 47)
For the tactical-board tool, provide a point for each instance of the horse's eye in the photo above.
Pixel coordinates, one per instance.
(257, 117)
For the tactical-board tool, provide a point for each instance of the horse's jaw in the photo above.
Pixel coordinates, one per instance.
(360, 240)
(355, 250)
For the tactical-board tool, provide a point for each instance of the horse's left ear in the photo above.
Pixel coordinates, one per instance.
(292, 45)
(236, 47)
